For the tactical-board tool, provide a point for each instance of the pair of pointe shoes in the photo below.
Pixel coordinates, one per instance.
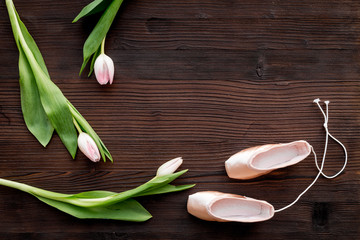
(246, 164)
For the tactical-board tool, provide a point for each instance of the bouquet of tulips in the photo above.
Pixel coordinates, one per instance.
(46, 109)
(44, 106)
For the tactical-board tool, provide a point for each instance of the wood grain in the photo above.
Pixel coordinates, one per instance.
(198, 79)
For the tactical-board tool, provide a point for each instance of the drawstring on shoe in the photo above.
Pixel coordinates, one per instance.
(326, 119)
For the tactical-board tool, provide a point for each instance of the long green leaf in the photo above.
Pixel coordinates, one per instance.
(57, 110)
(92, 8)
(109, 198)
(34, 114)
(160, 185)
(83, 65)
(94, 194)
(103, 204)
(95, 38)
(168, 188)
(167, 178)
(128, 210)
(151, 185)
(52, 99)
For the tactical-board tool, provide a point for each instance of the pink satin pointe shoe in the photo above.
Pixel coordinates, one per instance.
(224, 207)
(256, 161)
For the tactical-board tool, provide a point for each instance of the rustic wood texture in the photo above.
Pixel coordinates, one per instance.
(198, 79)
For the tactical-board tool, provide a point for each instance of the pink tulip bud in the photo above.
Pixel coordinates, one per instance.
(104, 69)
(88, 147)
(169, 167)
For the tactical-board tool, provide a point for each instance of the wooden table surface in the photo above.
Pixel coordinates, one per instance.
(198, 79)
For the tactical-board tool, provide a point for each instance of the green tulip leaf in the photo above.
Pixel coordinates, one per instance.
(92, 8)
(104, 204)
(166, 189)
(128, 210)
(167, 178)
(93, 194)
(53, 101)
(150, 186)
(34, 114)
(156, 185)
(57, 109)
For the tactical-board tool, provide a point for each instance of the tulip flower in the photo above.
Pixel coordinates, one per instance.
(104, 69)
(169, 167)
(103, 66)
(88, 147)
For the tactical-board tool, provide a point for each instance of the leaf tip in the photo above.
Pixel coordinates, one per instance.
(110, 158)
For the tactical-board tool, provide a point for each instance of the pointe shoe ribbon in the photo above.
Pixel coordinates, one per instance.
(225, 207)
(256, 161)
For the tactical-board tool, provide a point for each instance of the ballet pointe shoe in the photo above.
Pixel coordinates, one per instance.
(256, 161)
(224, 207)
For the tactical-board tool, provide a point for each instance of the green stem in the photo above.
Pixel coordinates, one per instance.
(81, 202)
(32, 61)
(77, 125)
(32, 190)
(109, 200)
(103, 46)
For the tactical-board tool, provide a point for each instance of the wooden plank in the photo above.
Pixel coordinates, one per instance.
(198, 79)
(202, 9)
(244, 34)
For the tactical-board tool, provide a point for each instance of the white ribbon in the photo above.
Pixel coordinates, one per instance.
(321, 168)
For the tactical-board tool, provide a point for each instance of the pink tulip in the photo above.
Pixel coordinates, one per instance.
(104, 69)
(88, 147)
(169, 167)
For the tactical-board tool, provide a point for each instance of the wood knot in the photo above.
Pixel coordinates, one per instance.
(259, 69)
(320, 216)
(260, 65)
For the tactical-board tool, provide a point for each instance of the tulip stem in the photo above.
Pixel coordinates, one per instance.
(103, 46)
(77, 125)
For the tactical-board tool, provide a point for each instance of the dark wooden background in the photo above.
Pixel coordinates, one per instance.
(198, 79)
